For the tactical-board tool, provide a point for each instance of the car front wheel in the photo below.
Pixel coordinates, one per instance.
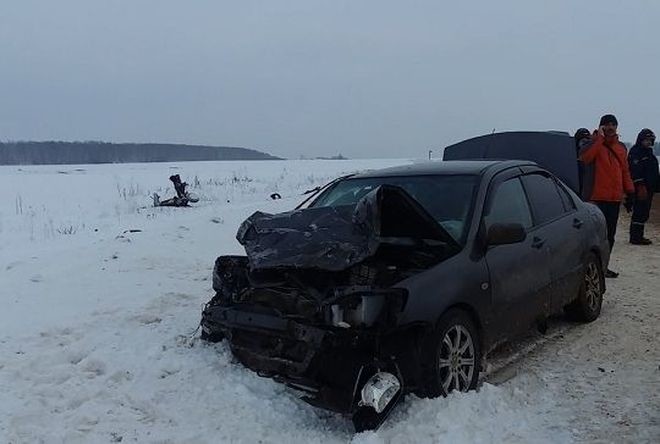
(454, 355)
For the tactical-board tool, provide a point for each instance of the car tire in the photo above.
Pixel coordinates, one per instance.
(453, 354)
(586, 307)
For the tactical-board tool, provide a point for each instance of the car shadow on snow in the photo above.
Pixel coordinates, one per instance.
(503, 363)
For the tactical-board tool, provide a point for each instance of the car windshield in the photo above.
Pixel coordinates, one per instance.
(447, 198)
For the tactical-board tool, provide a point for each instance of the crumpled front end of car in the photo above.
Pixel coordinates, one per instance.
(327, 348)
(315, 303)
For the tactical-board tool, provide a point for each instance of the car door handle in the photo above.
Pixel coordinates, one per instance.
(577, 223)
(537, 242)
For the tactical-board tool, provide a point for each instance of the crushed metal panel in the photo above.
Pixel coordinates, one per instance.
(324, 238)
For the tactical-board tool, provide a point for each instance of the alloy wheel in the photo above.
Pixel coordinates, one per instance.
(457, 362)
(592, 286)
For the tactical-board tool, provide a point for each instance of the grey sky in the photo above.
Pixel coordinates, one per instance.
(364, 78)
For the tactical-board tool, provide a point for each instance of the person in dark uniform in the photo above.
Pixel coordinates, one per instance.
(645, 176)
(582, 139)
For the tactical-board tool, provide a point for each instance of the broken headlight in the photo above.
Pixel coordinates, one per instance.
(230, 275)
(364, 309)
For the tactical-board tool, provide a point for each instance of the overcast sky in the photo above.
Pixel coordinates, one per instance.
(361, 78)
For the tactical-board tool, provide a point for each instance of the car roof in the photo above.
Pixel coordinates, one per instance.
(449, 167)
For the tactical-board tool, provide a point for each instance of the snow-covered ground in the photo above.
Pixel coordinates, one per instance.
(96, 320)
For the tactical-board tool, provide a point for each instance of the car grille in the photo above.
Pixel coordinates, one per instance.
(270, 346)
(286, 302)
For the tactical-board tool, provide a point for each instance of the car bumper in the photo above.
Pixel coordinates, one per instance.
(328, 366)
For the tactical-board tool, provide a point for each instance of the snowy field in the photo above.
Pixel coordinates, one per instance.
(101, 294)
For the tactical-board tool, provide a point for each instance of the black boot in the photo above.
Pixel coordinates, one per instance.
(637, 234)
(611, 274)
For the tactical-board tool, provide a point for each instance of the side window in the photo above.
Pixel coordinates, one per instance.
(508, 205)
(566, 199)
(544, 197)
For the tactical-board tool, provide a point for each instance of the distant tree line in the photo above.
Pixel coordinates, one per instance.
(49, 153)
(337, 157)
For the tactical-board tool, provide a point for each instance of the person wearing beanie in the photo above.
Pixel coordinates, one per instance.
(612, 181)
(581, 136)
(644, 171)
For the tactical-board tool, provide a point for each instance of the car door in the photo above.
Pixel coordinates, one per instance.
(557, 223)
(577, 246)
(519, 273)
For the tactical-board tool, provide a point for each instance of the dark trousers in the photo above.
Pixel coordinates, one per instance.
(611, 212)
(640, 214)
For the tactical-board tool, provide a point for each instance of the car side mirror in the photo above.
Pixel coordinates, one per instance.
(503, 234)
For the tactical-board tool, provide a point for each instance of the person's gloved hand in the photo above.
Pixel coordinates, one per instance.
(641, 192)
(628, 202)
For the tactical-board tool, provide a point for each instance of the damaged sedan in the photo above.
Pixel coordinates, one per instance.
(401, 280)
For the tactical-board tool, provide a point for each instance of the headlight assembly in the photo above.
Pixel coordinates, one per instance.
(364, 308)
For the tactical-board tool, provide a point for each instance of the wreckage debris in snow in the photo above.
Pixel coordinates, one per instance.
(182, 198)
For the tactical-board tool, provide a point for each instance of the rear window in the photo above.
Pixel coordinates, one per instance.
(567, 200)
(544, 198)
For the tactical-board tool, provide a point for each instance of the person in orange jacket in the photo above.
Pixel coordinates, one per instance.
(611, 182)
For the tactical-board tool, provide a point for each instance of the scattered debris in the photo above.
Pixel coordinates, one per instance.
(275, 196)
(182, 198)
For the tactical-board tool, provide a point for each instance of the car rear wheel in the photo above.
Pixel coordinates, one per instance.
(586, 307)
(454, 355)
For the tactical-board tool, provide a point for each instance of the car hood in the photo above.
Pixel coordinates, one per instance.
(335, 238)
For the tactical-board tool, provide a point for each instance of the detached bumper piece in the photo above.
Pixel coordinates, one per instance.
(335, 369)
